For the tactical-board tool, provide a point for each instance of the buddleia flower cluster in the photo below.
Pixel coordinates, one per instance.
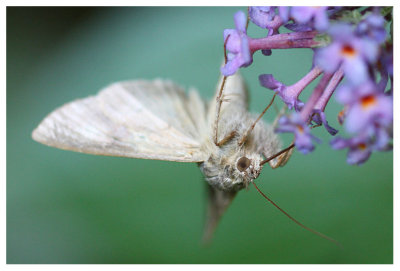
(352, 57)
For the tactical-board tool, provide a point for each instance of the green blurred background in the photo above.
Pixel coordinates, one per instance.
(65, 207)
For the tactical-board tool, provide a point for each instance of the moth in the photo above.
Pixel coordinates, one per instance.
(159, 120)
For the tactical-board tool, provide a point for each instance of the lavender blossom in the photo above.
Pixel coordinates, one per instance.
(348, 42)
(319, 118)
(382, 138)
(297, 27)
(359, 148)
(237, 43)
(367, 107)
(302, 132)
(373, 27)
(342, 115)
(284, 13)
(289, 95)
(262, 16)
(265, 17)
(241, 48)
(386, 60)
(351, 52)
(317, 15)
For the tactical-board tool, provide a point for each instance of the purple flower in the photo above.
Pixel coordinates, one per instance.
(262, 16)
(305, 15)
(288, 94)
(319, 118)
(237, 43)
(385, 64)
(362, 145)
(383, 138)
(296, 27)
(368, 106)
(284, 13)
(302, 132)
(266, 17)
(373, 27)
(352, 52)
(318, 115)
(360, 148)
(342, 115)
(387, 60)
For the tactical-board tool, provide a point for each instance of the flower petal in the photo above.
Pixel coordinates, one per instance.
(358, 156)
(240, 19)
(328, 57)
(356, 70)
(261, 15)
(268, 81)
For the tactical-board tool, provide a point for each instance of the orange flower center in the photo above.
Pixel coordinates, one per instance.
(362, 146)
(368, 101)
(340, 115)
(300, 128)
(348, 50)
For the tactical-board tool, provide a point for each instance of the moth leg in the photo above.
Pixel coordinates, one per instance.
(247, 133)
(282, 159)
(226, 139)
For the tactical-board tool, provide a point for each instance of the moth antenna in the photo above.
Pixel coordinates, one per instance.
(297, 222)
(277, 154)
(251, 128)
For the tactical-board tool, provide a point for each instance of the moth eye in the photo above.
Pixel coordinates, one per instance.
(243, 163)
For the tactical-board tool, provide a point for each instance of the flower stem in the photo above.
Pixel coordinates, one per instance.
(330, 88)
(315, 96)
(295, 89)
(285, 41)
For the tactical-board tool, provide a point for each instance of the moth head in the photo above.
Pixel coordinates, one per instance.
(249, 166)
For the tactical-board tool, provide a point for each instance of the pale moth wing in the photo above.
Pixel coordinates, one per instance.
(235, 99)
(138, 119)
